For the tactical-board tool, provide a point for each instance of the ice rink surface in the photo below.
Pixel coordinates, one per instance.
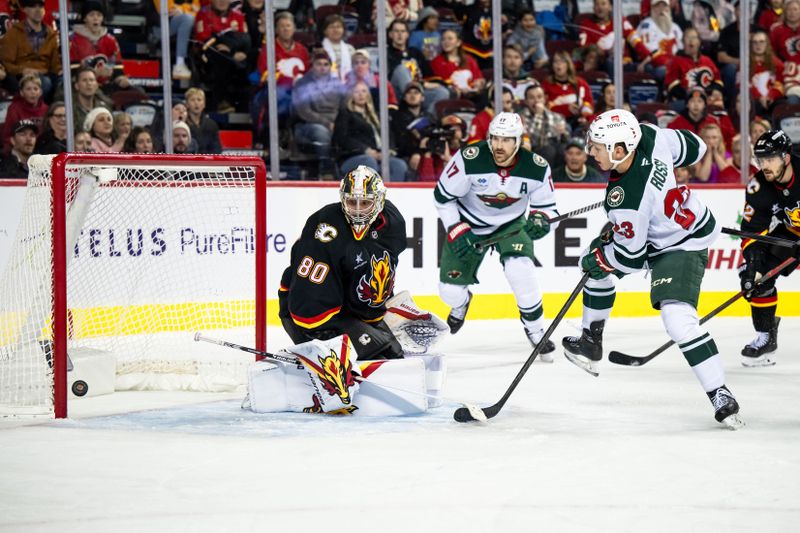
(636, 449)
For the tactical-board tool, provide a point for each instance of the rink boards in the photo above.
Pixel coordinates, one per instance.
(556, 255)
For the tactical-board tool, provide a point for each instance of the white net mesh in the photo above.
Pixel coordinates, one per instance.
(155, 252)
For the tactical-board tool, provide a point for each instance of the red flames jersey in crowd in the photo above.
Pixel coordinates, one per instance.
(561, 95)
(764, 82)
(786, 45)
(662, 46)
(102, 52)
(602, 34)
(290, 64)
(208, 22)
(688, 73)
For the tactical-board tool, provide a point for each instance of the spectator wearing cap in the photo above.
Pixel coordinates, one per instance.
(100, 124)
(530, 38)
(479, 127)
(204, 130)
(547, 131)
(182, 142)
(53, 139)
(226, 43)
(362, 71)
(438, 150)
(31, 47)
(662, 37)
(337, 49)
(689, 68)
(515, 77)
(87, 95)
(181, 20)
(27, 104)
(575, 169)
(23, 141)
(357, 135)
(695, 115)
(427, 38)
(91, 45)
(408, 124)
(316, 99)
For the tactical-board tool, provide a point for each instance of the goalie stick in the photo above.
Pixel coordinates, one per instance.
(494, 240)
(292, 361)
(620, 358)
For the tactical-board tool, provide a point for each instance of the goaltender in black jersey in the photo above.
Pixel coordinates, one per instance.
(343, 269)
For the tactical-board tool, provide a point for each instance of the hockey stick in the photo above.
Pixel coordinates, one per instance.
(494, 240)
(467, 415)
(633, 360)
(293, 361)
(769, 239)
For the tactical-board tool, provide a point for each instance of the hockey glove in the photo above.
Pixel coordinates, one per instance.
(538, 225)
(596, 264)
(461, 240)
(748, 271)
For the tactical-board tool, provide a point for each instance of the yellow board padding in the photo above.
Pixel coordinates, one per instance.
(627, 304)
(198, 316)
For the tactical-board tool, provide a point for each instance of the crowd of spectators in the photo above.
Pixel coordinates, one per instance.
(556, 69)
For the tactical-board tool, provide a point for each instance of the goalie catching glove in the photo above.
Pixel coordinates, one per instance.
(538, 225)
(462, 240)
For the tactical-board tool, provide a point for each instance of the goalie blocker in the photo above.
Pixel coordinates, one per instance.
(327, 377)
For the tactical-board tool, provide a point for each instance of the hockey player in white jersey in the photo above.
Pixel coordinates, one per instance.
(660, 226)
(490, 189)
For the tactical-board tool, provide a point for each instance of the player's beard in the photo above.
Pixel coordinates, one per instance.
(664, 22)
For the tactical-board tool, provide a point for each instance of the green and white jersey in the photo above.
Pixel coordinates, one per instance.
(473, 189)
(651, 213)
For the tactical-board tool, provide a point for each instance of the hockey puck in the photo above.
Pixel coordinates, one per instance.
(80, 388)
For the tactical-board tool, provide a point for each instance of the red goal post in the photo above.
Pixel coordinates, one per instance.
(99, 189)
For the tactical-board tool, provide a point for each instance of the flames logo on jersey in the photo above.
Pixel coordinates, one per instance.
(792, 46)
(498, 201)
(376, 289)
(700, 76)
(483, 30)
(793, 215)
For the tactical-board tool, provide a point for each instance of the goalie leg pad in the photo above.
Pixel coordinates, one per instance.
(321, 382)
(435, 376)
(392, 388)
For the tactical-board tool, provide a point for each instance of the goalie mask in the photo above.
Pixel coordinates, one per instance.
(362, 194)
(612, 128)
(506, 125)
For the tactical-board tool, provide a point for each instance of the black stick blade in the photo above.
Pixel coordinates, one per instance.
(620, 358)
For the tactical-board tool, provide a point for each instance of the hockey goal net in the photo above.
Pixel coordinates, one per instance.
(130, 255)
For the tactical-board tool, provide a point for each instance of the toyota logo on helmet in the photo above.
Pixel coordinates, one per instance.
(612, 128)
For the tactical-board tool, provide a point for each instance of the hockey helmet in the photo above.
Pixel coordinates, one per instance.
(362, 194)
(612, 128)
(772, 143)
(506, 125)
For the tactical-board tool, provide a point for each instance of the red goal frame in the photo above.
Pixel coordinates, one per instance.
(59, 241)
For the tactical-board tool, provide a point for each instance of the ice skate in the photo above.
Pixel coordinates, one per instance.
(756, 353)
(726, 408)
(586, 351)
(546, 353)
(457, 314)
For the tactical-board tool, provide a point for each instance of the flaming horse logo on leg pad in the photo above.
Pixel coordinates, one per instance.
(334, 372)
